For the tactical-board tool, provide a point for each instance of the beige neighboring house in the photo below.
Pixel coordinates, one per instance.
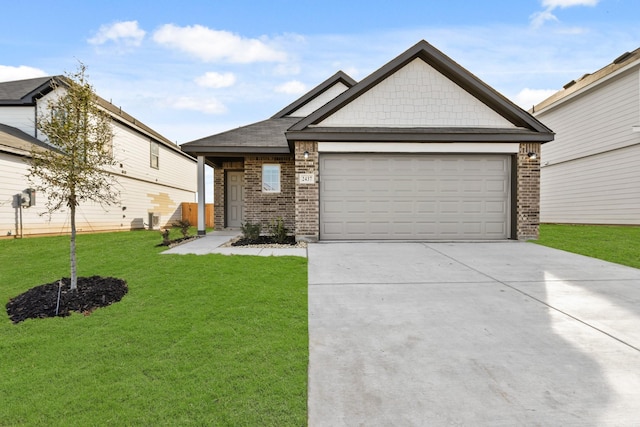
(421, 149)
(154, 175)
(590, 173)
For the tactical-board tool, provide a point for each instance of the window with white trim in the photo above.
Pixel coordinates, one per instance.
(270, 178)
(155, 155)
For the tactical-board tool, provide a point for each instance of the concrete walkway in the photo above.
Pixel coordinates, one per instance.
(210, 244)
(508, 333)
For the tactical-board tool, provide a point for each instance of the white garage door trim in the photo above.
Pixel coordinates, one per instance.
(417, 147)
(414, 197)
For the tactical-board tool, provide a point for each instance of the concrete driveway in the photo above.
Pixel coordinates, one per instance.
(498, 334)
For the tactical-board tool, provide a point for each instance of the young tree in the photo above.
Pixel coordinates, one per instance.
(78, 169)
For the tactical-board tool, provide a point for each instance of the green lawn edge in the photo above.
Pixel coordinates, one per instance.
(198, 340)
(618, 244)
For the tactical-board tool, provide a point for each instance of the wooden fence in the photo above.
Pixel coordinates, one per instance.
(190, 212)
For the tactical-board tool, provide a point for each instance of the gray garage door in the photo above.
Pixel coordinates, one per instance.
(414, 197)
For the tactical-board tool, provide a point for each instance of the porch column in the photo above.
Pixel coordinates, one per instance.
(201, 190)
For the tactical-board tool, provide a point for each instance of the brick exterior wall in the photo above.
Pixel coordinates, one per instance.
(307, 201)
(262, 208)
(299, 204)
(528, 192)
(259, 208)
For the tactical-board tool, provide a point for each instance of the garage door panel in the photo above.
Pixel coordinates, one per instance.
(414, 196)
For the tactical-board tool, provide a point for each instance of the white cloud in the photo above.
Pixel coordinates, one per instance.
(539, 18)
(9, 73)
(214, 45)
(216, 80)
(287, 70)
(207, 106)
(552, 4)
(127, 33)
(293, 87)
(527, 98)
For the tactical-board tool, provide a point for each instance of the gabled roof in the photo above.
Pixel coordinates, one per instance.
(339, 77)
(24, 92)
(530, 129)
(13, 140)
(624, 61)
(267, 136)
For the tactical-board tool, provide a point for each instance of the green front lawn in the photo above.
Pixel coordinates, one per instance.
(611, 243)
(198, 340)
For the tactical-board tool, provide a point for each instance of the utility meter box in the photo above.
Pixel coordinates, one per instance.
(28, 198)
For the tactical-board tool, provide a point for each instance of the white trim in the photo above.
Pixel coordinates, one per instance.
(265, 185)
(417, 147)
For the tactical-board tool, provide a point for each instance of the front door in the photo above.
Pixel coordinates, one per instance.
(235, 199)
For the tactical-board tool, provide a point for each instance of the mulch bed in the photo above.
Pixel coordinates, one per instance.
(176, 242)
(264, 240)
(41, 301)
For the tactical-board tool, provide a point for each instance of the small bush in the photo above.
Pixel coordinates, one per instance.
(278, 231)
(183, 225)
(251, 231)
(165, 237)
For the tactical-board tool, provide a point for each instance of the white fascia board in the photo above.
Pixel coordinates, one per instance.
(417, 147)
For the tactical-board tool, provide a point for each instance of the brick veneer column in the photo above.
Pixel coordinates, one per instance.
(218, 198)
(528, 192)
(307, 195)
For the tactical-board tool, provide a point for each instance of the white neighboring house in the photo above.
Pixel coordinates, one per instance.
(590, 173)
(154, 175)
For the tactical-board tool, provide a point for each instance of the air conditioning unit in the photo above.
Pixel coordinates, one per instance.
(154, 220)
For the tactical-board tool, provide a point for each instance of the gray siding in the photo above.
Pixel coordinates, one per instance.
(602, 189)
(589, 173)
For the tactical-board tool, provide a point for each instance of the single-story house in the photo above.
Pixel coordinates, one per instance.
(154, 175)
(590, 174)
(421, 149)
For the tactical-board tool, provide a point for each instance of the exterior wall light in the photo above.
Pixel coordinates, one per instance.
(532, 155)
(306, 155)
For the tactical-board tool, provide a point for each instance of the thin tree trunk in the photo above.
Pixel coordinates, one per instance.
(74, 274)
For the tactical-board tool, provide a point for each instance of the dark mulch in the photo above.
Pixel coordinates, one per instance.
(175, 242)
(263, 240)
(41, 302)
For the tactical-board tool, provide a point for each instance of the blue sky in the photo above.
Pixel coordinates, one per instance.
(193, 68)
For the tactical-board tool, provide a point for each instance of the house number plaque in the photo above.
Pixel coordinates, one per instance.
(307, 178)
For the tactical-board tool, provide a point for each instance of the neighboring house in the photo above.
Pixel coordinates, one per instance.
(154, 175)
(419, 150)
(590, 172)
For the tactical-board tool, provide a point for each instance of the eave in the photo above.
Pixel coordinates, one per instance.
(418, 135)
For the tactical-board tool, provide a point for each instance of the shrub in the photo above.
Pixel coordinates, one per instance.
(165, 237)
(278, 231)
(251, 231)
(183, 225)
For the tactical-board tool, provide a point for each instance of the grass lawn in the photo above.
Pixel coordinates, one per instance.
(198, 340)
(610, 243)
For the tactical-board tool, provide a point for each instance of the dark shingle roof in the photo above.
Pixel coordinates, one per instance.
(23, 91)
(267, 136)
